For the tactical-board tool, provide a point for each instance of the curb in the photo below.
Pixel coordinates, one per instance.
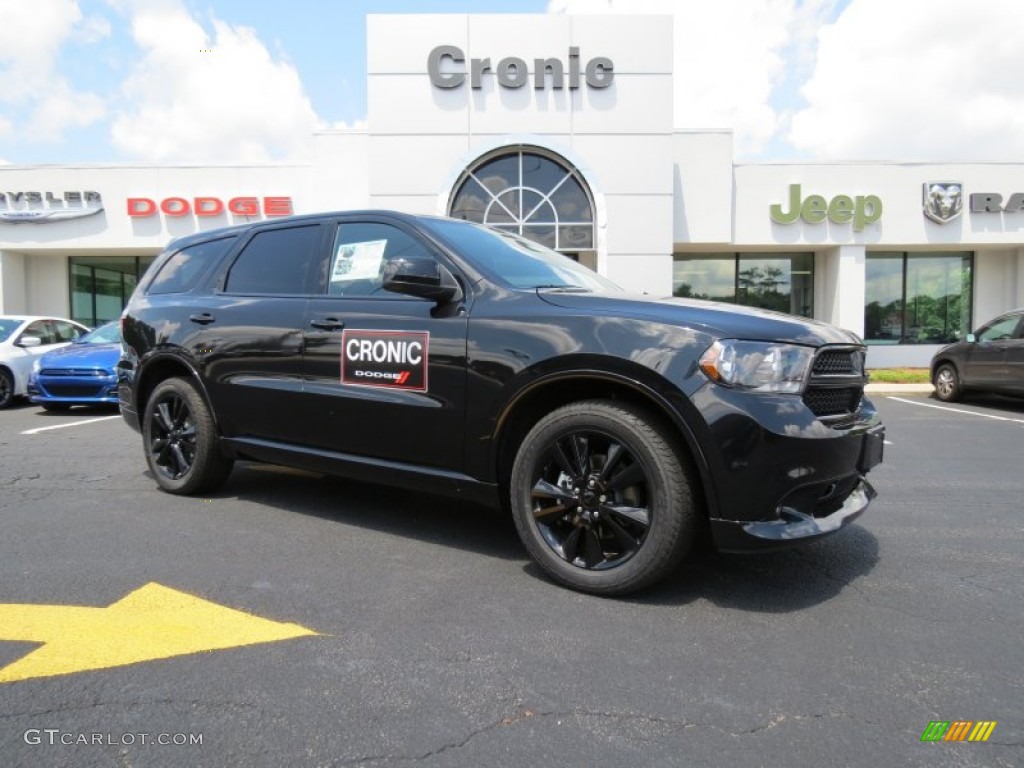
(881, 388)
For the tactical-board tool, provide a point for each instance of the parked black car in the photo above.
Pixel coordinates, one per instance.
(441, 356)
(989, 360)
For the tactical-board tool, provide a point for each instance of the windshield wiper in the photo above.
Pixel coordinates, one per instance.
(563, 288)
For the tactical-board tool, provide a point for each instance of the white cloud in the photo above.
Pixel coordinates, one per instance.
(61, 108)
(937, 80)
(38, 103)
(208, 98)
(729, 58)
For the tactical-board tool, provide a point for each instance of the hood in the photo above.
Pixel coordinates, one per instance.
(727, 321)
(82, 356)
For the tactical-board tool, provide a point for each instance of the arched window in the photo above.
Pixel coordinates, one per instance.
(531, 193)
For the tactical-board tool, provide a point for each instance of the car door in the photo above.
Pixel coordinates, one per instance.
(247, 335)
(385, 373)
(985, 363)
(22, 357)
(1014, 382)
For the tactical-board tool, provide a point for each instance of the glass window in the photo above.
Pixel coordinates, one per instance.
(528, 193)
(42, 330)
(1000, 330)
(361, 250)
(8, 325)
(282, 261)
(705, 276)
(516, 261)
(65, 331)
(101, 285)
(784, 283)
(781, 282)
(183, 269)
(917, 298)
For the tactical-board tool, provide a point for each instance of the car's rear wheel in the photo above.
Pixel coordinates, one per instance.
(601, 499)
(181, 440)
(947, 383)
(6, 388)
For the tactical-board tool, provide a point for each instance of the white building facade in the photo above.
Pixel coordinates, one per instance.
(560, 128)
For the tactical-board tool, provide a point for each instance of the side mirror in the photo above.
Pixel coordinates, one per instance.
(421, 277)
(30, 341)
(971, 338)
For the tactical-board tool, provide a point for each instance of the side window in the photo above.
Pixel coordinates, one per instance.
(65, 331)
(183, 269)
(278, 261)
(1002, 328)
(40, 329)
(361, 250)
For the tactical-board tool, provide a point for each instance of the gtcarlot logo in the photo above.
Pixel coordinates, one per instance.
(393, 359)
(57, 737)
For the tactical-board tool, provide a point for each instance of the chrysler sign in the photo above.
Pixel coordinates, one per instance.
(43, 207)
(446, 65)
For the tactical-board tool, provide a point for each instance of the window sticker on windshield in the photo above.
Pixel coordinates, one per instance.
(392, 359)
(358, 261)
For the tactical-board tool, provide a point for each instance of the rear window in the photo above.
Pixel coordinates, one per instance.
(182, 270)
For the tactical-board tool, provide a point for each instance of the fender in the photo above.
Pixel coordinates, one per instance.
(669, 400)
(169, 359)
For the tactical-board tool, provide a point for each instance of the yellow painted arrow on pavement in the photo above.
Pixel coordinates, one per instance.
(153, 622)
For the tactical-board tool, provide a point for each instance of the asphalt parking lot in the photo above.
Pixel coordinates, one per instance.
(399, 629)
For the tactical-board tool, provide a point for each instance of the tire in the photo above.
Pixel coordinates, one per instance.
(180, 440)
(601, 499)
(6, 388)
(947, 383)
(56, 406)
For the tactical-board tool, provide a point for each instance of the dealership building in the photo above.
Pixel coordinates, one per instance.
(560, 128)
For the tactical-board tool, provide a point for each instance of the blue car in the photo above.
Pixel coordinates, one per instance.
(81, 373)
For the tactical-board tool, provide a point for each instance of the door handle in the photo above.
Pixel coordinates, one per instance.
(203, 318)
(327, 323)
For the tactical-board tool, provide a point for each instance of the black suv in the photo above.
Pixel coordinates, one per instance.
(435, 354)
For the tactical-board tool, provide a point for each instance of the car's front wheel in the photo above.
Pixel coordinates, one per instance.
(6, 388)
(601, 499)
(947, 383)
(181, 440)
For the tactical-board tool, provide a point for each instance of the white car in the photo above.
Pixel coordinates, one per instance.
(24, 338)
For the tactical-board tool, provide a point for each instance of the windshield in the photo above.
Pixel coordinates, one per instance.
(516, 261)
(8, 325)
(105, 334)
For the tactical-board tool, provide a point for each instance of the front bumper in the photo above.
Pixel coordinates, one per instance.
(793, 526)
(777, 474)
(73, 388)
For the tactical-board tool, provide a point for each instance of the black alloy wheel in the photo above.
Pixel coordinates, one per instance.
(601, 499)
(6, 388)
(181, 441)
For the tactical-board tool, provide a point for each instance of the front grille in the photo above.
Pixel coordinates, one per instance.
(74, 390)
(836, 385)
(833, 363)
(72, 372)
(833, 401)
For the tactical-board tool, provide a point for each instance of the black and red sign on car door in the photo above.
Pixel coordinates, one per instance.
(393, 359)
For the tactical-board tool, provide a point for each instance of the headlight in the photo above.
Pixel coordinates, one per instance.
(36, 365)
(757, 365)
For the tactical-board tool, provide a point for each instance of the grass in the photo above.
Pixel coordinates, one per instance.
(900, 375)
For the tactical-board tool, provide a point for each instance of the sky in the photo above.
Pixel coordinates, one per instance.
(249, 81)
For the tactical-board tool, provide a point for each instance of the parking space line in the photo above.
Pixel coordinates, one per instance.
(956, 410)
(37, 430)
